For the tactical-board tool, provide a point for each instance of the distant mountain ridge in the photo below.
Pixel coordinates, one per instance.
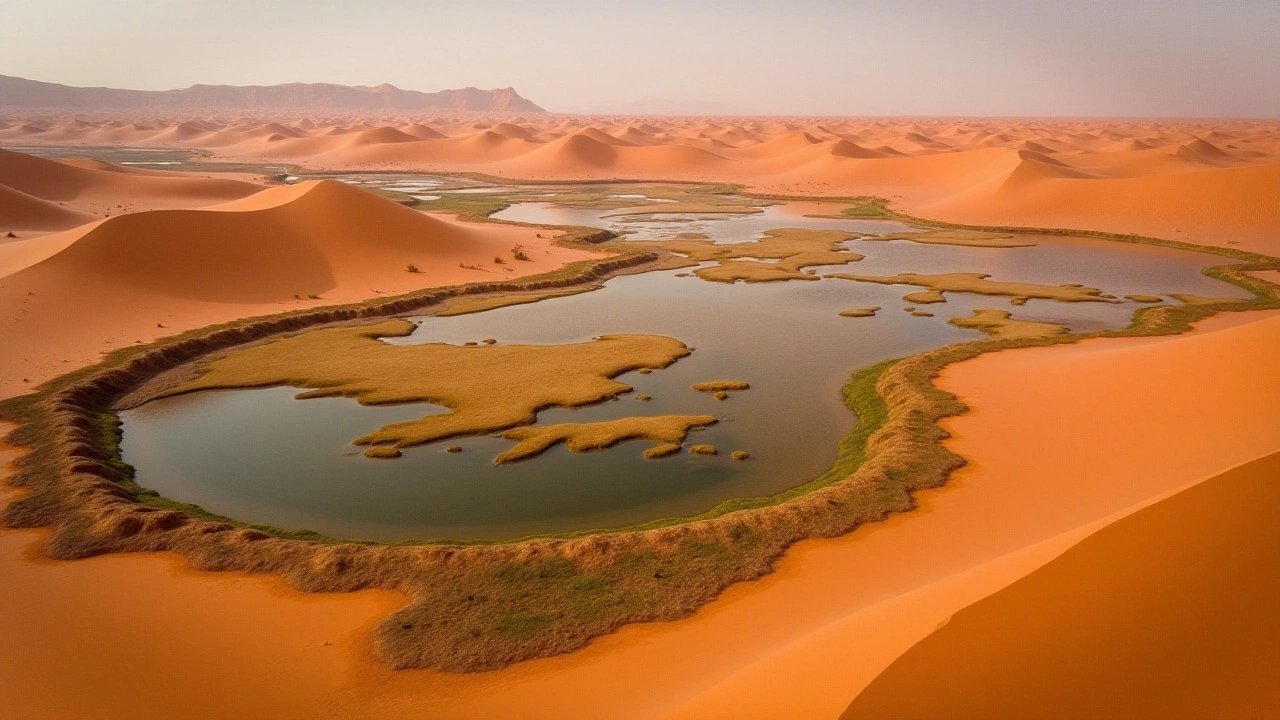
(18, 92)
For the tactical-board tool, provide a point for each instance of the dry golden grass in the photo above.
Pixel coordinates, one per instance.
(730, 271)
(1143, 298)
(385, 452)
(793, 248)
(979, 284)
(664, 430)
(488, 388)
(860, 312)
(999, 325)
(964, 238)
(713, 386)
(662, 451)
(480, 303)
(924, 297)
(702, 450)
(740, 455)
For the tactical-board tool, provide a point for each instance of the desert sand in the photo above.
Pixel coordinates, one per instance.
(266, 253)
(1133, 421)
(39, 195)
(836, 612)
(1167, 613)
(1208, 182)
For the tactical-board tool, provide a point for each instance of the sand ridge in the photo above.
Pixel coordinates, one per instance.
(1168, 612)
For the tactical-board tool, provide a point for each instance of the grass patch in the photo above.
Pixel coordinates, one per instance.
(663, 430)
(999, 324)
(488, 389)
(979, 284)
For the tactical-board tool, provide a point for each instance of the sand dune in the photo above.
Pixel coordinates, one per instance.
(20, 213)
(90, 188)
(175, 269)
(1167, 613)
(987, 171)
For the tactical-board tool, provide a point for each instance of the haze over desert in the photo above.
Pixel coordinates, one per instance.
(415, 361)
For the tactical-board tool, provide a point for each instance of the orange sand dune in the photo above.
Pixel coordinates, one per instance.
(1168, 613)
(88, 187)
(170, 270)
(20, 213)
(1222, 205)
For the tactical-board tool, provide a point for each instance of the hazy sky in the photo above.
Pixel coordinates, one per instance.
(863, 57)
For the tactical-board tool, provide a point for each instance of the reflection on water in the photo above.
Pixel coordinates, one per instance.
(260, 456)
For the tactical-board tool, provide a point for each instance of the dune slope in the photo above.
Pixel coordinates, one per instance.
(1170, 612)
(101, 189)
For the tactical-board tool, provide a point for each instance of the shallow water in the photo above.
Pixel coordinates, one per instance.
(719, 227)
(260, 456)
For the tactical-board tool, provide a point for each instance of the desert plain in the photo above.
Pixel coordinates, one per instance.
(1086, 496)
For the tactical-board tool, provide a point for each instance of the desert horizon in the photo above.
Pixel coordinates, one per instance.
(862, 361)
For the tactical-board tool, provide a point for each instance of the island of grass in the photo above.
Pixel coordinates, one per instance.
(792, 248)
(663, 430)
(468, 304)
(715, 386)
(1000, 324)
(860, 312)
(488, 388)
(978, 283)
(947, 236)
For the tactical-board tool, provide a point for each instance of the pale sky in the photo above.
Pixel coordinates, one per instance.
(1197, 58)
